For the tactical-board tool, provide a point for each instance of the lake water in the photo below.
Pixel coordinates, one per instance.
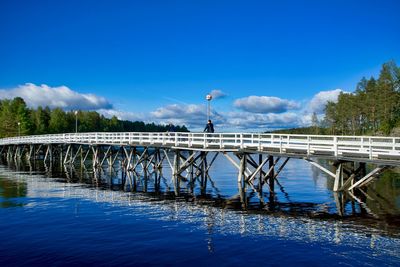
(72, 216)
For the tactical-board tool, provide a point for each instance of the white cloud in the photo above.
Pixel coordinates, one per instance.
(62, 97)
(318, 102)
(217, 94)
(265, 104)
(263, 122)
(123, 115)
(190, 115)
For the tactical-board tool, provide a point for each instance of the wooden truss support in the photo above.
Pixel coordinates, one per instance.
(140, 159)
(86, 155)
(367, 178)
(168, 160)
(247, 173)
(66, 154)
(331, 174)
(259, 168)
(105, 156)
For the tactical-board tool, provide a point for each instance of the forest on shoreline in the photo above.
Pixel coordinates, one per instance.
(17, 119)
(372, 109)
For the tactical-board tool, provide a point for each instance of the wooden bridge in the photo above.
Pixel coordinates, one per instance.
(258, 157)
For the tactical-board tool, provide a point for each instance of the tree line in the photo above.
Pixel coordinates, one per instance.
(372, 109)
(16, 118)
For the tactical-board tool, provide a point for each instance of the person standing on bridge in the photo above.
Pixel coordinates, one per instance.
(209, 127)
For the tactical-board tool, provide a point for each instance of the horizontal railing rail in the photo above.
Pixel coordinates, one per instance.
(369, 147)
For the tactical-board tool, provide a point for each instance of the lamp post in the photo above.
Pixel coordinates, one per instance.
(208, 98)
(19, 129)
(76, 121)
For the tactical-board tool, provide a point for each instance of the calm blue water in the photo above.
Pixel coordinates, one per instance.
(58, 219)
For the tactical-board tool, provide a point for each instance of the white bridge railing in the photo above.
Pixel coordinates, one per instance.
(367, 147)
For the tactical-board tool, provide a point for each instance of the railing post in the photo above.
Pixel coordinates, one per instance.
(335, 145)
(308, 145)
(370, 148)
(241, 141)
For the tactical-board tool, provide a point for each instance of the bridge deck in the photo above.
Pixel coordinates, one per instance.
(380, 150)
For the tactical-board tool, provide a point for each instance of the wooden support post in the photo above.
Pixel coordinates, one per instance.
(176, 162)
(71, 153)
(191, 171)
(242, 169)
(260, 181)
(51, 155)
(61, 155)
(338, 178)
(203, 174)
(31, 149)
(271, 174)
(81, 156)
(110, 160)
(175, 173)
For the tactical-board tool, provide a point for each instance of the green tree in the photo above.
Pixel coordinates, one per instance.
(41, 119)
(315, 123)
(59, 122)
(8, 122)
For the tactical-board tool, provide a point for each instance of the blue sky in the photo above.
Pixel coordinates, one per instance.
(272, 62)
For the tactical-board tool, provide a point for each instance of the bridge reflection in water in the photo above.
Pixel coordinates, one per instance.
(376, 205)
(158, 197)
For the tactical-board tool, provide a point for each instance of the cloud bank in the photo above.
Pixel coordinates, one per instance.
(265, 104)
(252, 113)
(53, 97)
